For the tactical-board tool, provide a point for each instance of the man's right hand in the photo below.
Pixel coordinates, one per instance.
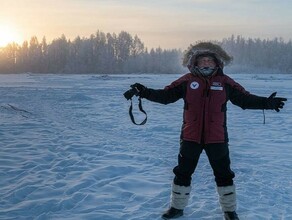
(139, 88)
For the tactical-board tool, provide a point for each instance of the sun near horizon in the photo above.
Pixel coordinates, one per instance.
(9, 34)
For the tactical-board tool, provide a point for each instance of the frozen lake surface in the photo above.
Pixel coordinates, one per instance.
(69, 151)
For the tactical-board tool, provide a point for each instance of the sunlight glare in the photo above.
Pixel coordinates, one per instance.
(8, 34)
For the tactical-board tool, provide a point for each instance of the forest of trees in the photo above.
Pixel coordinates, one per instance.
(122, 53)
(274, 55)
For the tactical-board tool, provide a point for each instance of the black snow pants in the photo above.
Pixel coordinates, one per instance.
(189, 154)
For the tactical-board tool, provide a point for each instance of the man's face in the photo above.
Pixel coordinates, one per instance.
(206, 62)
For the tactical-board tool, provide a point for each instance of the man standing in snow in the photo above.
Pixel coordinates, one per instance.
(205, 91)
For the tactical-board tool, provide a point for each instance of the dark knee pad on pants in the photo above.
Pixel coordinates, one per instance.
(220, 162)
(223, 173)
(187, 162)
(183, 171)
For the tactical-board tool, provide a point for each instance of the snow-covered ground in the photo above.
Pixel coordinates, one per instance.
(68, 150)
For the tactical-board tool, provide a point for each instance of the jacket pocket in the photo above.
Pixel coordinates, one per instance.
(217, 127)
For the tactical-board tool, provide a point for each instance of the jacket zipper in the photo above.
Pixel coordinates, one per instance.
(206, 95)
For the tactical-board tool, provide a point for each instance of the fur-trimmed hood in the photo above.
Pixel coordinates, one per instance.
(205, 49)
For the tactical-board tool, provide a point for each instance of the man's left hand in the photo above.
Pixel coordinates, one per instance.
(274, 102)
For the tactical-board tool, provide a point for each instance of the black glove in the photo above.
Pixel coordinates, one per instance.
(137, 89)
(140, 89)
(275, 103)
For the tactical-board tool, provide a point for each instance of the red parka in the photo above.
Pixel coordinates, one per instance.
(205, 99)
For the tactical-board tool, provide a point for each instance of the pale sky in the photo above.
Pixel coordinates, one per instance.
(158, 23)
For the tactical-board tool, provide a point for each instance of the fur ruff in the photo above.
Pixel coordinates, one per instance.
(205, 48)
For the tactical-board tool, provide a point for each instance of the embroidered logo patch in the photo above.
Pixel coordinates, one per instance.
(194, 85)
(216, 84)
(216, 88)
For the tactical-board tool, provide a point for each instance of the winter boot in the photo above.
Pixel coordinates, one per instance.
(172, 213)
(179, 199)
(227, 199)
(231, 216)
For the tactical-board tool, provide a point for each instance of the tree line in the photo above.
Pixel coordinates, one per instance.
(105, 53)
(273, 55)
(100, 53)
